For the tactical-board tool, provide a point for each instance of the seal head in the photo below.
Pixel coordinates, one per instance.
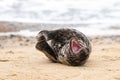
(73, 53)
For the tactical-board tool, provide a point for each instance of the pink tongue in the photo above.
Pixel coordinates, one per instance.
(76, 46)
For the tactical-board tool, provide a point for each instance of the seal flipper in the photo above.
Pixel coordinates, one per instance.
(44, 47)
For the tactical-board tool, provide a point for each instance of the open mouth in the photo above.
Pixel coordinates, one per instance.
(76, 46)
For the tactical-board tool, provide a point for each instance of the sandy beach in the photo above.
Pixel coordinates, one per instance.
(21, 20)
(19, 60)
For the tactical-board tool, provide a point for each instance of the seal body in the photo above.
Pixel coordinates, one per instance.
(67, 46)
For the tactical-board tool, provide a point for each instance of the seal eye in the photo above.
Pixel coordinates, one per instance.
(76, 46)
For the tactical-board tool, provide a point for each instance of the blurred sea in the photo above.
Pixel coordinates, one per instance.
(92, 17)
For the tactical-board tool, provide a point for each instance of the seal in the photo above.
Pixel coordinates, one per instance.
(66, 46)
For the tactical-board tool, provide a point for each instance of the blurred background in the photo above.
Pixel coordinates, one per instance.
(28, 17)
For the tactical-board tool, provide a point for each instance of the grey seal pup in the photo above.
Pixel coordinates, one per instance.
(66, 46)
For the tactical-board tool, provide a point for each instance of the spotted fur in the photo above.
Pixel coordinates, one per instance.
(56, 46)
